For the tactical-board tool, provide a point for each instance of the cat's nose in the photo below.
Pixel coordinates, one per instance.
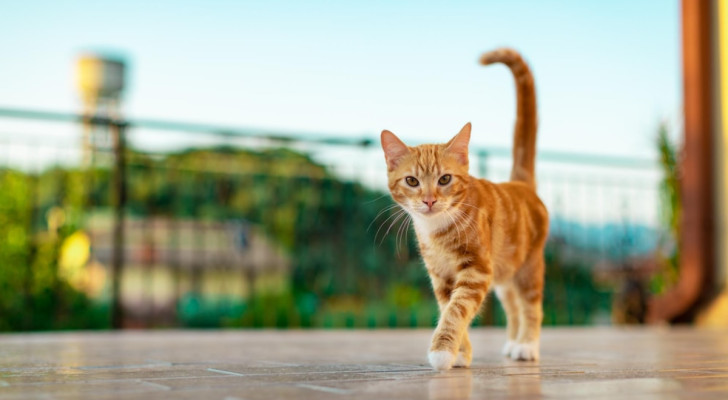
(430, 202)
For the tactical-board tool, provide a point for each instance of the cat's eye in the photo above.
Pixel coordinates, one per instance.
(445, 179)
(412, 181)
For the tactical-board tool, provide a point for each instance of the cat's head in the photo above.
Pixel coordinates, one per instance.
(427, 179)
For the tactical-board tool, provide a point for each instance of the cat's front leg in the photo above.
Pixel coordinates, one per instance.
(471, 286)
(443, 291)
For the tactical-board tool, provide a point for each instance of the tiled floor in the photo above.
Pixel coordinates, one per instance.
(591, 363)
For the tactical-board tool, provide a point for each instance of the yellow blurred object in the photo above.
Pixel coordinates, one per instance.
(75, 252)
(716, 315)
(721, 149)
(75, 268)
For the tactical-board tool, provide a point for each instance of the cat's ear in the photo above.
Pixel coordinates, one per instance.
(394, 149)
(458, 145)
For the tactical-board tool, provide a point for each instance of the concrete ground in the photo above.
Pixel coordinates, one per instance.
(591, 363)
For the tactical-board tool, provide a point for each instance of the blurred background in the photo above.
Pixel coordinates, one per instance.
(216, 164)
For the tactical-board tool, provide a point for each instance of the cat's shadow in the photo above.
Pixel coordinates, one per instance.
(459, 383)
(455, 384)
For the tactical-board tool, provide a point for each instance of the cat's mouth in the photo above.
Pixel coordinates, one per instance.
(430, 211)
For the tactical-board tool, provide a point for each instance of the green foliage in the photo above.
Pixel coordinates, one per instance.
(16, 247)
(571, 295)
(37, 212)
(670, 213)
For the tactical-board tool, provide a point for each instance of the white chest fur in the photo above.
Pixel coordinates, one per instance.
(427, 226)
(438, 259)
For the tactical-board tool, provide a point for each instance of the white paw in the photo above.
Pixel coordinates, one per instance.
(441, 360)
(462, 360)
(524, 351)
(506, 351)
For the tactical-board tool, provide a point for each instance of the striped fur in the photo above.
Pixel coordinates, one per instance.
(475, 235)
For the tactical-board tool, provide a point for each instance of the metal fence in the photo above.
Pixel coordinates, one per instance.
(154, 223)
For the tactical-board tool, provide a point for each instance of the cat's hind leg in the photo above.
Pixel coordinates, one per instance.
(507, 296)
(528, 283)
(465, 354)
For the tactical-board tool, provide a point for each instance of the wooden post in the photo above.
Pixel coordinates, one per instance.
(721, 144)
(697, 257)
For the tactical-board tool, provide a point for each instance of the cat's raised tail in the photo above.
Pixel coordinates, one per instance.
(524, 140)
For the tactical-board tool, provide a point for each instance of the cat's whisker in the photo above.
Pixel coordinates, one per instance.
(388, 208)
(379, 214)
(393, 215)
(469, 222)
(378, 198)
(399, 216)
(464, 223)
(478, 210)
(396, 239)
(406, 224)
(468, 225)
(468, 205)
(465, 231)
(406, 231)
(457, 226)
(403, 227)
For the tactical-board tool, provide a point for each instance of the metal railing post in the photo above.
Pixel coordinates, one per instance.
(482, 164)
(117, 128)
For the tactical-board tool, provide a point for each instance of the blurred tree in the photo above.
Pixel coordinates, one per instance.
(354, 258)
(37, 213)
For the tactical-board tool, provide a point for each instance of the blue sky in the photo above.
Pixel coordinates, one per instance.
(607, 72)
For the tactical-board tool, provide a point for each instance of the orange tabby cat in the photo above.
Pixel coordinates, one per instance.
(474, 234)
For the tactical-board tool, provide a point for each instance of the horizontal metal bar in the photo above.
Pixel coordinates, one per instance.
(187, 127)
(292, 137)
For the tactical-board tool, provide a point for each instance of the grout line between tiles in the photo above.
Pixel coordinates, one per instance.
(220, 371)
(325, 389)
(156, 385)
